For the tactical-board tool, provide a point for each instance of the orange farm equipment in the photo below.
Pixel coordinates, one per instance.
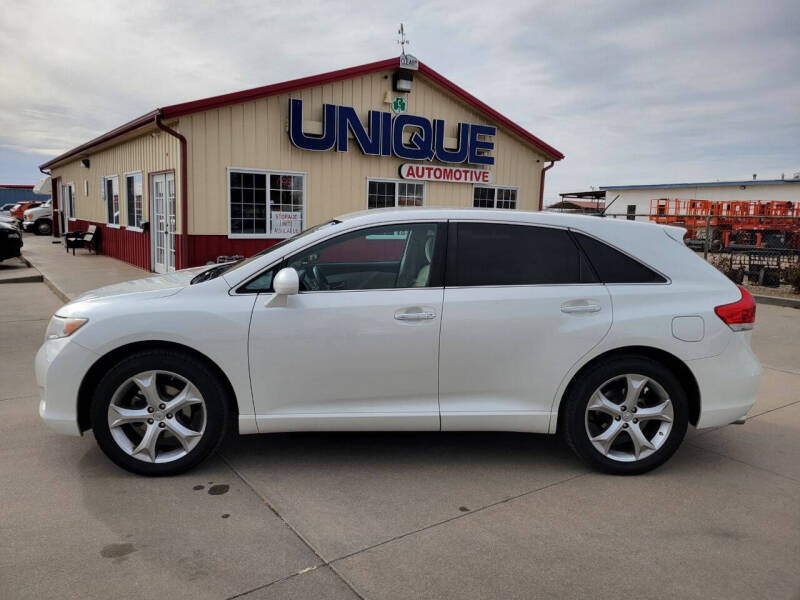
(734, 224)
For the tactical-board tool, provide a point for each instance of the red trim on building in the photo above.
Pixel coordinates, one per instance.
(132, 247)
(185, 108)
(110, 135)
(205, 248)
(15, 186)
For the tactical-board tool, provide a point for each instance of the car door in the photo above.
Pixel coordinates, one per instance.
(521, 306)
(357, 348)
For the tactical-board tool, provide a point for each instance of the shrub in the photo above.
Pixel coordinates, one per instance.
(793, 277)
(723, 263)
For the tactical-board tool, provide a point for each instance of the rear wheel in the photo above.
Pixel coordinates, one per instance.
(159, 412)
(626, 416)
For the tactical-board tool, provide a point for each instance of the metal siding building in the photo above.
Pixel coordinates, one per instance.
(638, 197)
(210, 158)
(18, 193)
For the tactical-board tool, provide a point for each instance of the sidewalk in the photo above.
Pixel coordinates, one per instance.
(69, 276)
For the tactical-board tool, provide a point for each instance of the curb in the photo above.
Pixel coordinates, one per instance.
(24, 279)
(44, 279)
(777, 301)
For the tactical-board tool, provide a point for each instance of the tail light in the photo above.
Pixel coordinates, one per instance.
(739, 315)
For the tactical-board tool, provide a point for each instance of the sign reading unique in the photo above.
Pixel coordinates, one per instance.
(447, 174)
(286, 222)
(384, 135)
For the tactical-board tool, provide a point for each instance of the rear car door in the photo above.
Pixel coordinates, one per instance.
(521, 306)
(358, 347)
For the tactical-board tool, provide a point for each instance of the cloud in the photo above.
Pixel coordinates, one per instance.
(629, 91)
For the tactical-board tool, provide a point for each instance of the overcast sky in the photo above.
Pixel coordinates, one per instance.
(630, 92)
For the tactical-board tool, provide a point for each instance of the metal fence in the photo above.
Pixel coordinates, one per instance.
(752, 249)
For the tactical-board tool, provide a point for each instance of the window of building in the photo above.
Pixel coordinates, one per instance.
(85, 187)
(133, 199)
(631, 212)
(494, 197)
(612, 266)
(386, 193)
(110, 188)
(499, 254)
(265, 203)
(387, 256)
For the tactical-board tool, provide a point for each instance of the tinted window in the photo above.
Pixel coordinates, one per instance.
(613, 266)
(389, 256)
(497, 254)
(261, 284)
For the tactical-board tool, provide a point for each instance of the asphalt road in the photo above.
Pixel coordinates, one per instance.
(399, 515)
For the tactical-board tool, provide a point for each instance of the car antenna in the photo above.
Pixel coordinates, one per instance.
(603, 212)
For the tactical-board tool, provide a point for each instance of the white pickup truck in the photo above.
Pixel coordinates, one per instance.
(39, 219)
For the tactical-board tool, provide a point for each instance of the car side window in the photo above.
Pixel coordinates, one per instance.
(502, 254)
(388, 256)
(261, 284)
(612, 266)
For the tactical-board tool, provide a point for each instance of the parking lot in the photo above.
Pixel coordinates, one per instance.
(399, 515)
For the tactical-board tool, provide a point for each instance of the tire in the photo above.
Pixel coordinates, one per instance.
(660, 397)
(130, 387)
(43, 227)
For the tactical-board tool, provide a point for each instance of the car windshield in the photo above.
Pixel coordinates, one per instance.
(218, 270)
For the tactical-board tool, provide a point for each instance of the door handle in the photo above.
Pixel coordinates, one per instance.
(580, 308)
(420, 316)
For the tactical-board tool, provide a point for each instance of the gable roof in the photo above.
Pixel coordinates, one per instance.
(186, 108)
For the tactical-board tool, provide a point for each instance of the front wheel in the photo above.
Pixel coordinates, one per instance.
(44, 227)
(159, 412)
(626, 416)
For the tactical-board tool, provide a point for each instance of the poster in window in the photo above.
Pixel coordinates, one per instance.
(284, 222)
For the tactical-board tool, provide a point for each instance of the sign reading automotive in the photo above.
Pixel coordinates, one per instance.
(286, 222)
(447, 174)
(384, 135)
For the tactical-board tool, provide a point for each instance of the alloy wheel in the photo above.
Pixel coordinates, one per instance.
(157, 416)
(629, 417)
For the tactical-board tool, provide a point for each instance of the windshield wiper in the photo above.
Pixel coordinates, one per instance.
(213, 272)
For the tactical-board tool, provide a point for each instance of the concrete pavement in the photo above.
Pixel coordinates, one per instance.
(466, 515)
(69, 276)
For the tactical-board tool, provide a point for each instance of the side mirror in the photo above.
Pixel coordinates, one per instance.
(285, 283)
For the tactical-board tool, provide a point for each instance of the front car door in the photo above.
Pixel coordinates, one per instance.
(357, 348)
(521, 306)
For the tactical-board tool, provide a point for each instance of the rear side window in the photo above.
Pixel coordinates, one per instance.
(612, 266)
(500, 254)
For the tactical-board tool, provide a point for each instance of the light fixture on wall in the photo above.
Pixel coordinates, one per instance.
(402, 80)
(85, 162)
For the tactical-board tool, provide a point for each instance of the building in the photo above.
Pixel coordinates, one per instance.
(233, 174)
(13, 193)
(592, 202)
(636, 199)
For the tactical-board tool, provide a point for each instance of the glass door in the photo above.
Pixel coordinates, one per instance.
(162, 221)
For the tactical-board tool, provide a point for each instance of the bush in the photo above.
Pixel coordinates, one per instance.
(724, 263)
(793, 277)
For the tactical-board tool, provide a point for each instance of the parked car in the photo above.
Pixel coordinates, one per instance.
(5, 210)
(10, 241)
(19, 209)
(39, 219)
(611, 333)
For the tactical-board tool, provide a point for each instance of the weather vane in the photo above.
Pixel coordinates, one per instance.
(402, 41)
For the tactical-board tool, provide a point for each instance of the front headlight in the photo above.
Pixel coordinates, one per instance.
(29, 217)
(61, 327)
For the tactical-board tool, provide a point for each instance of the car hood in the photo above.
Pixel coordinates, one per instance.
(157, 286)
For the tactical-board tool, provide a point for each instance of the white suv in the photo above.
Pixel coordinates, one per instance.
(612, 333)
